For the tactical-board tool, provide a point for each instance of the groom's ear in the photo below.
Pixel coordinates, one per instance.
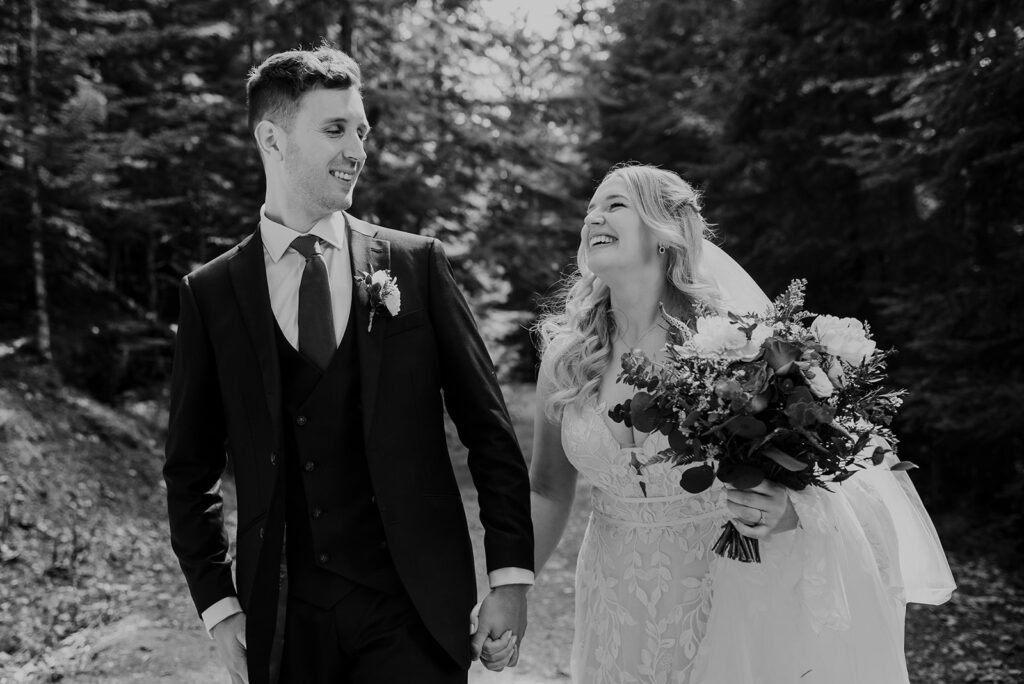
(269, 139)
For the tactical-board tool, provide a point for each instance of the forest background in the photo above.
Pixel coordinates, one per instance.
(875, 148)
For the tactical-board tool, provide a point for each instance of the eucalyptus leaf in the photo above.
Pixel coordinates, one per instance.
(747, 427)
(785, 460)
(644, 412)
(697, 479)
(678, 441)
(745, 476)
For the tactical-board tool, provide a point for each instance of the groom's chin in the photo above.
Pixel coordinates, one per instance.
(344, 203)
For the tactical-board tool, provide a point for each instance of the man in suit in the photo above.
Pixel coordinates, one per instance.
(354, 562)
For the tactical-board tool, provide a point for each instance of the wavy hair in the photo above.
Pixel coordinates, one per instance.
(577, 330)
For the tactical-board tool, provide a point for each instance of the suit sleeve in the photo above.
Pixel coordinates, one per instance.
(474, 401)
(195, 460)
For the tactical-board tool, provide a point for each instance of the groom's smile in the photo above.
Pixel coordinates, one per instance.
(345, 176)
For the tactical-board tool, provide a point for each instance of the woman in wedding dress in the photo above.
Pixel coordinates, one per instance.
(653, 602)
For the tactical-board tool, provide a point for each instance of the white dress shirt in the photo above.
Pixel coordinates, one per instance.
(285, 266)
(284, 272)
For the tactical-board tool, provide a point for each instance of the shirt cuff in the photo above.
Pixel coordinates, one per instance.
(220, 611)
(503, 576)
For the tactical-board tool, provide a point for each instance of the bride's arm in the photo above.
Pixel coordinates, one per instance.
(552, 479)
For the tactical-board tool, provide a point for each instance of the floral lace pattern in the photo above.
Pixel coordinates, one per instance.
(643, 589)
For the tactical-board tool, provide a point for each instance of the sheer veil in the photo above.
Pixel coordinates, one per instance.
(875, 494)
(740, 294)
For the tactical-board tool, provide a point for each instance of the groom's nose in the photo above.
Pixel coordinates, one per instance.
(355, 151)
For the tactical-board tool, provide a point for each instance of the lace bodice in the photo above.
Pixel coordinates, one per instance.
(642, 581)
(595, 453)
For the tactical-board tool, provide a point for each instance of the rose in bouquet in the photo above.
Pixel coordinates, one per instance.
(787, 395)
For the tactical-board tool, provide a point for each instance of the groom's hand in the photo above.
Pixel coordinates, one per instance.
(503, 610)
(229, 635)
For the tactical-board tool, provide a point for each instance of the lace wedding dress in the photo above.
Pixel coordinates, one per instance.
(654, 604)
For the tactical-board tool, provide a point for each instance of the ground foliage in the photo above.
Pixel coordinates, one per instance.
(83, 535)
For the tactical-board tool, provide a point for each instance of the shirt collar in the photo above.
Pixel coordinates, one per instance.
(277, 237)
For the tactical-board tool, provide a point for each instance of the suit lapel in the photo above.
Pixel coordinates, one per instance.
(369, 254)
(249, 279)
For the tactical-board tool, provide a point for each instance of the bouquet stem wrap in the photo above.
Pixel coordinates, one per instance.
(732, 544)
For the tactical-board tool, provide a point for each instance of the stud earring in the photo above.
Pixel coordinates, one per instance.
(661, 249)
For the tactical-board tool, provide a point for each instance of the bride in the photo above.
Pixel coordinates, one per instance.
(653, 602)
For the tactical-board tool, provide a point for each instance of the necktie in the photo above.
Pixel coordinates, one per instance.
(316, 316)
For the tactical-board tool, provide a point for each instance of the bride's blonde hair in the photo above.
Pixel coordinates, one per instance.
(576, 332)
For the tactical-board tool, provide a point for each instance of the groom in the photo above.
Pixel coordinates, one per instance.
(354, 562)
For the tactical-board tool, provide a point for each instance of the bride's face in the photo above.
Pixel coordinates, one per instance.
(614, 239)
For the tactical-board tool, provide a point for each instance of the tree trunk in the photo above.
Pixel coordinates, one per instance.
(152, 243)
(30, 56)
(348, 20)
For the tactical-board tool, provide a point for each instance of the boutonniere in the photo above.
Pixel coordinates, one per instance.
(381, 293)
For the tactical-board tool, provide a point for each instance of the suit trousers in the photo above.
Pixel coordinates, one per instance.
(368, 637)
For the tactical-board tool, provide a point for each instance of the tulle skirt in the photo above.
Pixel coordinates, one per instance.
(827, 604)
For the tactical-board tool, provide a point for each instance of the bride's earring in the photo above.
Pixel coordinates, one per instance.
(661, 249)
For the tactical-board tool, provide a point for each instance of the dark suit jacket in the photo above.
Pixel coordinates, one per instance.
(226, 403)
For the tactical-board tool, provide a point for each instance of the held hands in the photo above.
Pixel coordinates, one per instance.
(761, 510)
(229, 635)
(499, 627)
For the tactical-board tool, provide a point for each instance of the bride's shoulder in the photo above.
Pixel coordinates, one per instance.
(553, 373)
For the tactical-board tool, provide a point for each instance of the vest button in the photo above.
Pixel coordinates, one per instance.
(273, 458)
(323, 558)
(317, 512)
(301, 420)
(261, 533)
(309, 466)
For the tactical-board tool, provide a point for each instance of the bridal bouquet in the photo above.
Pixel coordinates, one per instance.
(790, 396)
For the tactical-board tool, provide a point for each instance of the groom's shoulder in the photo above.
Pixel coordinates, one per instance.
(399, 239)
(217, 268)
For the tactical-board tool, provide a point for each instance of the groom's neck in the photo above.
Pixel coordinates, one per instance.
(285, 210)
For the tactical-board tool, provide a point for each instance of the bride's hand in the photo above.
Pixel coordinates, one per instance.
(761, 510)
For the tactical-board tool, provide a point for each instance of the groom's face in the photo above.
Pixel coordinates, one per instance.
(324, 150)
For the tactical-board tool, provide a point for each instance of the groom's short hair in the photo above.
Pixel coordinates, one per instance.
(275, 87)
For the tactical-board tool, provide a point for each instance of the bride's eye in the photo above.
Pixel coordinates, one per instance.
(616, 204)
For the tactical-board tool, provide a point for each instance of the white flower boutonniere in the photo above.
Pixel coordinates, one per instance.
(381, 292)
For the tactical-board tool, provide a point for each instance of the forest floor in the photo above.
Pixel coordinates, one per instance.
(90, 591)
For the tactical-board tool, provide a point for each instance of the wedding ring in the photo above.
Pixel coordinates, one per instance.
(760, 518)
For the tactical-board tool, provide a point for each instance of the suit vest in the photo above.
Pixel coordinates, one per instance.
(334, 532)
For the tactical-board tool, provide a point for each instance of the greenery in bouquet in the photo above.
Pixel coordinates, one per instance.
(788, 395)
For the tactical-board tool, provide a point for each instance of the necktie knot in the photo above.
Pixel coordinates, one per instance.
(308, 246)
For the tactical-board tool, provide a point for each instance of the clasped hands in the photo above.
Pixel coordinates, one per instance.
(762, 510)
(498, 624)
